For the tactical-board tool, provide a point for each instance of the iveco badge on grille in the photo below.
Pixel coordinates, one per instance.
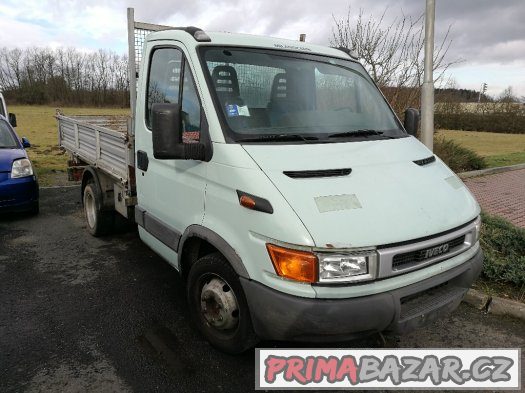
(432, 252)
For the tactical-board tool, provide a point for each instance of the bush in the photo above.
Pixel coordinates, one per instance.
(457, 157)
(504, 248)
(508, 123)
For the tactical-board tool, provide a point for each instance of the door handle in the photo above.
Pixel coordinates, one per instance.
(142, 160)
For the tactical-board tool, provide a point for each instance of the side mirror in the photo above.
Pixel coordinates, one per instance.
(25, 143)
(167, 135)
(12, 119)
(411, 122)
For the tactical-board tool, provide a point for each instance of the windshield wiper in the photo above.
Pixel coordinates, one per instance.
(356, 133)
(279, 138)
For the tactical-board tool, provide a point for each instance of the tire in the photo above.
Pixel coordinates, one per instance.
(226, 328)
(35, 209)
(99, 222)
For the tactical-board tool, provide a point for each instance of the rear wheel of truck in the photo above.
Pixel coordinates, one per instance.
(218, 305)
(99, 222)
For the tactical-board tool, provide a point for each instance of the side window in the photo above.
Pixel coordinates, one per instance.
(164, 87)
(191, 109)
(163, 79)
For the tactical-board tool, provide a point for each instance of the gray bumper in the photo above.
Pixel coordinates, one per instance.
(279, 316)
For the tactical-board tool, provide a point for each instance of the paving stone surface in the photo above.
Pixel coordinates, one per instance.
(501, 194)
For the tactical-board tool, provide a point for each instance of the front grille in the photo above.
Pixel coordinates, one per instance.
(409, 259)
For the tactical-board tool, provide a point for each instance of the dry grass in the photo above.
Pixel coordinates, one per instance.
(497, 149)
(38, 124)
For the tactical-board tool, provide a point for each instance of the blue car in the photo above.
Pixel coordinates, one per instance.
(18, 183)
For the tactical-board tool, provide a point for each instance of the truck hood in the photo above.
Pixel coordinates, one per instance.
(387, 198)
(7, 156)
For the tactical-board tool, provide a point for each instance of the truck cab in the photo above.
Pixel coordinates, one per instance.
(275, 177)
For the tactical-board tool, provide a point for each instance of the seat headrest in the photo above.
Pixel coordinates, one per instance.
(279, 87)
(225, 80)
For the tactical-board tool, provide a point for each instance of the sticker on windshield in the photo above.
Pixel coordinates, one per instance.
(237, 110)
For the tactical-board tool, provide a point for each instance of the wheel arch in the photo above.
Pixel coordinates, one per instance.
(198, 241)
(103, 183)
(88, 174)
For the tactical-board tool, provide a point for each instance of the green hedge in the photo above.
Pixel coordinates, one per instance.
(457, 157)
(508, 123)
(504, 248)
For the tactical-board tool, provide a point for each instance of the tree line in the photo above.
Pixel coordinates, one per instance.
(64, 76)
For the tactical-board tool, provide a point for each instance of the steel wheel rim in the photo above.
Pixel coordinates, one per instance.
(219, 308)
(89, 207)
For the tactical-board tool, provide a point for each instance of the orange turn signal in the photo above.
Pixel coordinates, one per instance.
(247, 202)
(296, 265)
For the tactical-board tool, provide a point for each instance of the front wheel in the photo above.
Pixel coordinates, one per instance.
(218, 305)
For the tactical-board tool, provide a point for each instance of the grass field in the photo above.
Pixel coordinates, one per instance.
(497, 149)
(39, 125)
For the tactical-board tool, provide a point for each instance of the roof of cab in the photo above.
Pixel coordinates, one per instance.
(247, 40)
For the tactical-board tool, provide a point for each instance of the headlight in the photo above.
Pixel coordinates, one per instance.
(21, 168)
(347, 267)
(323, 267)
(477, 230)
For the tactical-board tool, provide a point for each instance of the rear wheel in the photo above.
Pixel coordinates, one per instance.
(218, 305)
(99, 222)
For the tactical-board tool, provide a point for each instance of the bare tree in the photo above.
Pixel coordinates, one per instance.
(392, 52)
(507, 96)
(64, 76)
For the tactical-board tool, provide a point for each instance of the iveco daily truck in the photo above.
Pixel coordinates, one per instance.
(3, 110)
(274, 176)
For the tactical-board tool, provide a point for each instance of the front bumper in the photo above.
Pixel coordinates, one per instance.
(279, 316)
(18, 194)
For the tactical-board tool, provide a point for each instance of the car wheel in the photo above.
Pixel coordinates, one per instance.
(218, 305)
(35, 209)
(99, 222)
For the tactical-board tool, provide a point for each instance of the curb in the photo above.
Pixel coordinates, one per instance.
(491, 171)
(495, 305)
(500, 306)
(55, 187)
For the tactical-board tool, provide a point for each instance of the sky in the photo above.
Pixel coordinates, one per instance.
(488, 35)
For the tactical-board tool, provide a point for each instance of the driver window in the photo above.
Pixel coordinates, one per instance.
(164, 84)
(164, 79)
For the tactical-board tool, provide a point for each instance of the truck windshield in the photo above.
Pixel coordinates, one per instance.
(277, 96)
(7, 139)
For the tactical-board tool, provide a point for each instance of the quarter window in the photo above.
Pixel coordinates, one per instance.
(191, 109)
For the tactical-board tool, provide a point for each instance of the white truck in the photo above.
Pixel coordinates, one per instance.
(3, 110)
(274, 176)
